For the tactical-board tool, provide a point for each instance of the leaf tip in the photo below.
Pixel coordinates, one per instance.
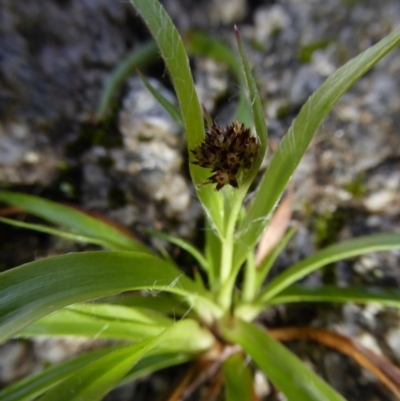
(237, 34)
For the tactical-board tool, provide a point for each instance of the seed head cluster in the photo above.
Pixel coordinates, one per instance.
(225, 151)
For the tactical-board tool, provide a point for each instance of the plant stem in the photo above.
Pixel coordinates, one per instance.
(249, 285)
(226, 259)
(232, 212)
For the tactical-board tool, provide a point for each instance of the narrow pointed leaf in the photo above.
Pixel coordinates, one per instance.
(378, 365)
(53, 231)
(81, 222)
(161, 302)
(35, 385)
(238, 379)
(234, 199)
(67, 322)
(35, 289)
(383, 296)
(172, 110)
(154, 363)
(200, 43)
(296, 141)
(173, 52)
(331, 254)
(121, 313)
(282, 367)
(185, 245)
(257, 111)
(140, 57)
(95, 380)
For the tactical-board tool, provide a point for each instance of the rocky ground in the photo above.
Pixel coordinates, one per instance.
(57, 54)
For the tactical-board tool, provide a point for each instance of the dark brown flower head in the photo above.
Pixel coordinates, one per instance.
(225, 151)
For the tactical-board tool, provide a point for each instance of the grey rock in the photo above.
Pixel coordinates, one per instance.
(393, 340)
(143, 118)
(305, 82)
(23, 159)
(211, 81)
(16, 361)
(269, 20)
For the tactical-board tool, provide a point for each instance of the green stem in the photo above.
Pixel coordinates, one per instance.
(226, 260)
(250, 280)
(224, 297)
(225, 293)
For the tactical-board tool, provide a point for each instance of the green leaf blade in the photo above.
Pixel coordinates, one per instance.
(52, 231)
(331, 254)
(169, 107)
(94, 381)
(256, 108)
(177, 62)
(234, 200)
(163, 303)
(389, 297)
(185, 245)
(200, 43)
(238, 379)
(139, 57)
(35, 289)
(283, 368)
(66, 322)
(35, 385)
(154, 363)
(82, 223)
(297, 139)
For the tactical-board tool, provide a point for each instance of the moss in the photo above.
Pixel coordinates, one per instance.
(357, 188)
(67, 183)
(283, 111)
(326, 229)
(306, 51)
(104, 133)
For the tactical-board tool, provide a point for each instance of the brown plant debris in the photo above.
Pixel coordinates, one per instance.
(207, 368)
(276, 228)
(225, 151)
(385, 370)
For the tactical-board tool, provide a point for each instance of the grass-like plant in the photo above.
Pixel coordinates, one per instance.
(208, 319)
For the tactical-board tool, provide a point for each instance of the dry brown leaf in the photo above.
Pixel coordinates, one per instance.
(196, 374)
(204, 369)
(179, 389)
(211, 368)
(381, 367)
(10, 210)
(276, 228)
(214, 388)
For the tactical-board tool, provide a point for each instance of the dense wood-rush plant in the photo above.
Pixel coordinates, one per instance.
(208, 319)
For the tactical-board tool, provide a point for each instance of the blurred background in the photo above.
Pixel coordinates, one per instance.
(127, 159)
